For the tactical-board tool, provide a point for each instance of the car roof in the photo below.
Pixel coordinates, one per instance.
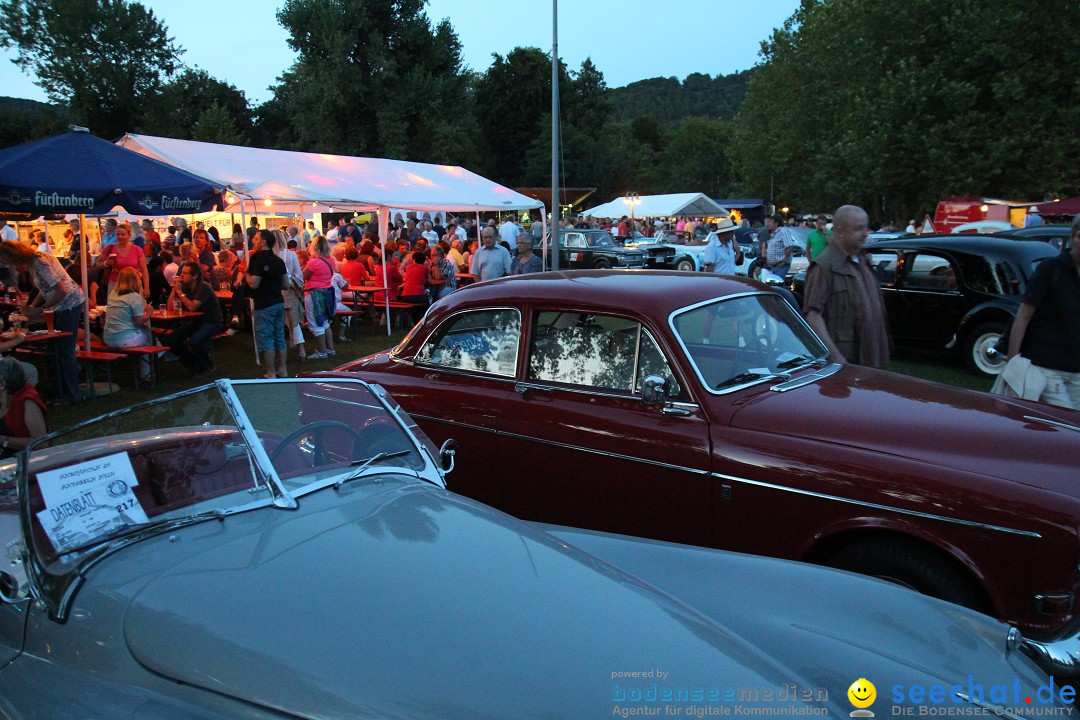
(974, 244)
(661, 291)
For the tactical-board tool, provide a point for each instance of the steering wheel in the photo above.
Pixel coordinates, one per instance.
(316, 428)
(758, 345)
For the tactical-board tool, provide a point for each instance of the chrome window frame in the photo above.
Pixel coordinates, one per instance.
(414, 358)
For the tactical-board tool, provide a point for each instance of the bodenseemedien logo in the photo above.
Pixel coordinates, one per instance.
(862, 695)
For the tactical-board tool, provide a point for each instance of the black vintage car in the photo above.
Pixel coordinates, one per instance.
(955, 292)
(586, 249)
(1056, 235)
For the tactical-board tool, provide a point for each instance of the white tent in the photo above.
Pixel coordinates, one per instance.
(301, 183)
(320, 183)
(677, 205)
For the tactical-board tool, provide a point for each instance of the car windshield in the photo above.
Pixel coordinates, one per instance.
(600, 239)
(214, 451)
(735, 341)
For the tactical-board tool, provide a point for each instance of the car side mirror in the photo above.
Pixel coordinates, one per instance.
(654, 390)
(447, 454)
(9, 589)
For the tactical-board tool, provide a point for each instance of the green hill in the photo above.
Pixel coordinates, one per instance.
(669, 100)
(24, 120)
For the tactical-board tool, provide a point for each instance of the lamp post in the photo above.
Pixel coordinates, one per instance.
(633, 198)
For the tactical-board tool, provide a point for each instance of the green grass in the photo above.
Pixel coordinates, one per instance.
(235, 358)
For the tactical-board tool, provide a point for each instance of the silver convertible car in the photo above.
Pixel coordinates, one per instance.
(288, 549)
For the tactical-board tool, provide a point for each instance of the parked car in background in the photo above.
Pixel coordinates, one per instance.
(702, 409)
(952, 292)
(590, 249)
(658, 255)
(233, 551)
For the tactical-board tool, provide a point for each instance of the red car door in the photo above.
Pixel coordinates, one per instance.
(583, 449)
(455, 388)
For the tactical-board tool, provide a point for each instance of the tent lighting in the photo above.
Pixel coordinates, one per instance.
(268, 202)
(230, 199)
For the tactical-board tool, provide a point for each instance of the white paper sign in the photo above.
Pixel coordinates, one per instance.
(88, 500)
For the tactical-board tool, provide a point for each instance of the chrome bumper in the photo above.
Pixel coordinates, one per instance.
(1060, 658)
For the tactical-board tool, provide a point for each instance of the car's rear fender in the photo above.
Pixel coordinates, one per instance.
(989, 311)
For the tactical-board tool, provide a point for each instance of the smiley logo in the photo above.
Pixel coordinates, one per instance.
(862, 695)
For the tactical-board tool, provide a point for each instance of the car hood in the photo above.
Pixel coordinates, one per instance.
(891, 414)
(393, 600)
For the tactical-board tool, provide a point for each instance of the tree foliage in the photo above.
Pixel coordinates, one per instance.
(670, 101)
(373, 78)
(179, 107)
(104, 58)
(896, 103)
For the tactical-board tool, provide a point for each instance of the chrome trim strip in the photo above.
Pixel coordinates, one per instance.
(807, 379)
(1055, 423)
(605, 453)
(258, 459)
(733, 478)
(876, 506)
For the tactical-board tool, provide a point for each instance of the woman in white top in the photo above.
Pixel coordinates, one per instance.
(126, 322)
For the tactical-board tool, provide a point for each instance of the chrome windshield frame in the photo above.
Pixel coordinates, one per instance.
(57, 590)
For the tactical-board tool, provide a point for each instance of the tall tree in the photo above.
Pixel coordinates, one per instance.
(373, 78)
(105, 58)
(179, 106)
(895, 103)
(513, 102)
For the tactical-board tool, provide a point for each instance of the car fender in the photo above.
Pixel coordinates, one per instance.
(991, 310)
(839, 534)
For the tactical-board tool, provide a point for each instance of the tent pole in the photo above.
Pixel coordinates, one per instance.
(84, 256)
(384, 236)
(543, 238)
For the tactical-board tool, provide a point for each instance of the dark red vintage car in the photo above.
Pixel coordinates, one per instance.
(704, 410)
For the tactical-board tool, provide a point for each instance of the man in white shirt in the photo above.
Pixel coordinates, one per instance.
(722, 253)
(6, 231)
(429, 234)
(509, 232)
(490, 261)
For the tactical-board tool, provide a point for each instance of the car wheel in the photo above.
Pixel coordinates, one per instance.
(977, 347)
(909, 563)
(602, 265)
(685, 265)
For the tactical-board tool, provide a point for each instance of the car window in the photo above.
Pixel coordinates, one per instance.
(930, 272)
(482, 341)
(988, 276)
(597, 351)
(884, 266)
(600, 240)
(575, 240)
(734, 340)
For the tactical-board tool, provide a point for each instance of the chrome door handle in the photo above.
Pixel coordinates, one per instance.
(523, 388)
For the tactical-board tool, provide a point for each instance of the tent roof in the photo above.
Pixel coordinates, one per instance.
(679, 204)
(1068, 206)
(75, 172)
(336, 182)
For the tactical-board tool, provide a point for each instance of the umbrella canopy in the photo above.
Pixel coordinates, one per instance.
(78, 173)
(1069, 206)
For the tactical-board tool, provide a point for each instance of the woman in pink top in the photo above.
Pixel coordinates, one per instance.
(123, 254)
(319, 300)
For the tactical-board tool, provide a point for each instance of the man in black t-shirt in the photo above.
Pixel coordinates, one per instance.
(266, 279)
(1046, 330)
(192, 341)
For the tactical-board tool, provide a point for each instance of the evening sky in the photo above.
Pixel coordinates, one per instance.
(240, 41)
